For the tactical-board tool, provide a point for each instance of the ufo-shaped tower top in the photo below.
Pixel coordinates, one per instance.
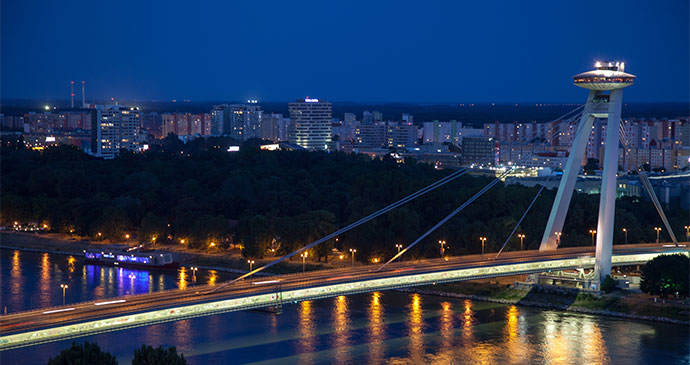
(607, 76)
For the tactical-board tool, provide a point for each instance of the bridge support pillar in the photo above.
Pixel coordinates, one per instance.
(572, 168)
(607, 201)
(604, 106)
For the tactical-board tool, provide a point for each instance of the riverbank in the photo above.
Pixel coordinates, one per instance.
(233, 262)
(638, 306)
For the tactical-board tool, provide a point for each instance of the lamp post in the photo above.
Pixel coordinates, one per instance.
(127, 236)
(657, 229)
(100, 236)
(593, 232)
(522, 237)
(398, 246)
(153, 241)
(194, 269)
(441, 243)
(483, 239)
(352, 253)
(625, 232)
(251, 264)
(64, 288)
(687, 234)
(304, 260)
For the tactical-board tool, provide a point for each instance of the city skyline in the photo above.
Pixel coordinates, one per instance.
(446, 53)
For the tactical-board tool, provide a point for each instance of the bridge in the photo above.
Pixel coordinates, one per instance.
(87, 318)
(113, 314)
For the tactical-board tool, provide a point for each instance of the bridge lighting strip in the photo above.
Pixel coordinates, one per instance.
(297, 295)
(111, 302)
(59, 310)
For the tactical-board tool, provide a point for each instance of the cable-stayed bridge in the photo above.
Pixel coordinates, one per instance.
(81, 319)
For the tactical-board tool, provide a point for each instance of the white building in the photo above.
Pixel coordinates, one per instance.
(310, 124)
(117, 128)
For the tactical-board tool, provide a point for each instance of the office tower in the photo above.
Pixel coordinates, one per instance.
(310, 123)
(117, 127)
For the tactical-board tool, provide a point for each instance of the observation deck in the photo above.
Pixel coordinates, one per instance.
(606, 76)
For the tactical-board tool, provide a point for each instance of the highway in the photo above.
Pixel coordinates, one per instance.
(118, 306)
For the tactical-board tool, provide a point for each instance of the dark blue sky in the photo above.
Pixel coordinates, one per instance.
(454, 51)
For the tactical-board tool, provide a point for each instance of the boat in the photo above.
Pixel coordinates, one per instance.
(128, 259)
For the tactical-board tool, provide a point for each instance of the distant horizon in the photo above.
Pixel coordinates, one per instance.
(381, 51)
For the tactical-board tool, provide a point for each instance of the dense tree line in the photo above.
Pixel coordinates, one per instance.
(275, 201)
(89, 353)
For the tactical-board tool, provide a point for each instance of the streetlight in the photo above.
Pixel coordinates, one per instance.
(593, 232)
(100, 236)
(127, 236)
(352, 253)
(483, 239)
(657, 229)
(398, 246)
(304, 259)
(441, 243)
(64, 287)
(558, 238)
(687, 234)
(251, 264)
(194, 269)
(522, 237)
(153, 240)
(182, 241)
(625, 231)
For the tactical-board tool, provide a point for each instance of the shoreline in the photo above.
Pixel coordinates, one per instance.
(543, 305)
(74, 248)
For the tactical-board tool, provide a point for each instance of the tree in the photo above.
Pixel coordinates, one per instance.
(83, 354)
(591, 166)
(151, 226)
(147, 355)
(666, 274)
(608, 285)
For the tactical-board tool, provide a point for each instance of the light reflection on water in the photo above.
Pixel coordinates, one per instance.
(374, 328)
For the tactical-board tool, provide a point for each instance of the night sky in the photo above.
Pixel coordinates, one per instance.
(375, 51)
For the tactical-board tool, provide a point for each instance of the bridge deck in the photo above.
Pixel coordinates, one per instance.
(80, 319)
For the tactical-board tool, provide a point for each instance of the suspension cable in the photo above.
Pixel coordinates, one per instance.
(384, 210)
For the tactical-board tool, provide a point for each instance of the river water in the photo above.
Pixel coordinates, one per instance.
(381, 327)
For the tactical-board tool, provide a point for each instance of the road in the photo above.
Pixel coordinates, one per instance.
(117, 306)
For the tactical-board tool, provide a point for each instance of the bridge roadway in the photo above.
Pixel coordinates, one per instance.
(86, 318)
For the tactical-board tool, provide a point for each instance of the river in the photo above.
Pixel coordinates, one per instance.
(381, 327)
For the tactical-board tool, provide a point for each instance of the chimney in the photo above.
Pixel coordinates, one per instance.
(83, 94)
(71, 85)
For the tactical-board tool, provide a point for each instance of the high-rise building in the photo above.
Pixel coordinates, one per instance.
(117, 127)
(274, 127)
(152, 123)
(240, 121)
(310, 123)
(479, 150)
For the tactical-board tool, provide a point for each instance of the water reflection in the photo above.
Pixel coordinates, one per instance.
(16, 282)
(182, 278)
(306, 329)
(212, 277)
(45, 282)
(376, 329)
(341, 324)
(415, 325)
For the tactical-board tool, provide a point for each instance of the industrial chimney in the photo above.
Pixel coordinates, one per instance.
(71, 85)
(83, 94)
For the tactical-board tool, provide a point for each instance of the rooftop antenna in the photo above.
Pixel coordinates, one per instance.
(71, 85)
(83, 94)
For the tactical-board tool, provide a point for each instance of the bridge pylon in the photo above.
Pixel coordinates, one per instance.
(605, 85)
